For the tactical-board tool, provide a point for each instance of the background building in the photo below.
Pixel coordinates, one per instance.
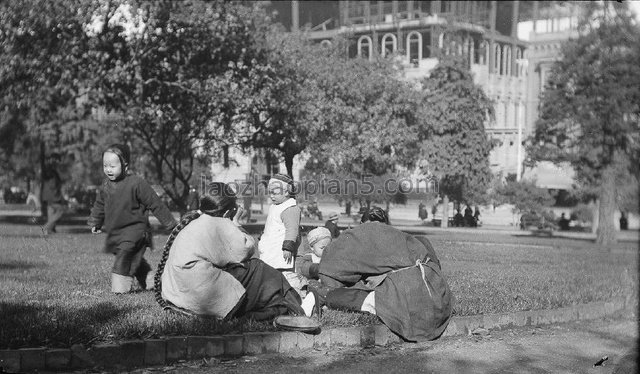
(510, 47)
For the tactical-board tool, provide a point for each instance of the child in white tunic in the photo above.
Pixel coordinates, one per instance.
(279, 243)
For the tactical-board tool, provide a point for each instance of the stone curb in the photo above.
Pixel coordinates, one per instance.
(152, 352)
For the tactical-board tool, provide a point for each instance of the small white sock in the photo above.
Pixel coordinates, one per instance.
(308, 303)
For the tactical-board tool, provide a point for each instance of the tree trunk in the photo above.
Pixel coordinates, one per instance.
(445, 212)
(43, 206)
(288, 163)
(595, 214)
(606, 234)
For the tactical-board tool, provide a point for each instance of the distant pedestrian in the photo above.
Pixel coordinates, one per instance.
(563, 223)
(120, 210)
(468, 217)
(332, 225)
(458, 219)
(624, 224)
(347, 208)
(476, 217)
(51, 194)
(32, 199)
(422, 212)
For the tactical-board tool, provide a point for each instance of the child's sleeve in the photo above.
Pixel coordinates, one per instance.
(96, 219)
(148, 197)
(291, 219)
(306, 267)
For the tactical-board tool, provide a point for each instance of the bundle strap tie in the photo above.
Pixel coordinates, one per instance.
(420, 264)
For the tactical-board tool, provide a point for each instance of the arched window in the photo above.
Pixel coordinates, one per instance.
(389, 44)
(506, 63)
(469, 50)
(414, 47)
(496, 58)
(364, 47)
(325, 43)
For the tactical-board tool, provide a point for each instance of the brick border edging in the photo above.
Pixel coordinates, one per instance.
(151, 352)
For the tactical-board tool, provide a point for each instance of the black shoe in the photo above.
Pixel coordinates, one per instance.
(141, 274)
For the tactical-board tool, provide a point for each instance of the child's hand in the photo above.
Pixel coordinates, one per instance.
(95, 230)
(240, 216)
(288, 256)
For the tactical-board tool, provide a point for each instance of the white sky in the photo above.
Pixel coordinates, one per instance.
(525, 28)
(635, 5)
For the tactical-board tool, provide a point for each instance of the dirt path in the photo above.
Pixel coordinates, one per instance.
(565, 348)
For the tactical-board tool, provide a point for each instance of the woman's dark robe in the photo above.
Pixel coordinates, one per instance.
(412, 296)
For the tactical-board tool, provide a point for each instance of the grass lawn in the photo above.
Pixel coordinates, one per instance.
(54, 291)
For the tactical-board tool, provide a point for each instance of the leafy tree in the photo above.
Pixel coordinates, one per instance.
(590, 108)
(162, 77)
(387, 188)
(367, 126)
(455, 146)
(264, 101)
(43, 70)
(524, 195)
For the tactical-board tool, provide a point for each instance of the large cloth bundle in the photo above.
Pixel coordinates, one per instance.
(412, 296)
(210, 272)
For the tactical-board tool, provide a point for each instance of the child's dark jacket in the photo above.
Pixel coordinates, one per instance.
(121, 210)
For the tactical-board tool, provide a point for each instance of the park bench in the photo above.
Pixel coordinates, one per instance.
(538, 225)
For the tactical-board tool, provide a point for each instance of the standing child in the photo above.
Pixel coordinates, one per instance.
(121, 211)
(279, 243)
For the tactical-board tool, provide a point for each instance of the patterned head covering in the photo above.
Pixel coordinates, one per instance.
(318, 234)
(284, 179)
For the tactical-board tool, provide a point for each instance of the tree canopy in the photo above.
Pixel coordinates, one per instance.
(590, 109)
(455, 146)
(43, 69)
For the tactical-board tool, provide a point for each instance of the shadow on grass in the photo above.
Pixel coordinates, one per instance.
(552, 237)
(32, 325)
(570, 238)
(20, 265)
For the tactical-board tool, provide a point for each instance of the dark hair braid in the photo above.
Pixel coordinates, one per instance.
(157, 280)
(375, 214)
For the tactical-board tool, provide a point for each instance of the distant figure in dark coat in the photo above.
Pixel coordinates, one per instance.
(332, 225)
(51, 194)
(563, 223)
(624, 224)
(476, 217)
(422, 212)
(468, 217)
